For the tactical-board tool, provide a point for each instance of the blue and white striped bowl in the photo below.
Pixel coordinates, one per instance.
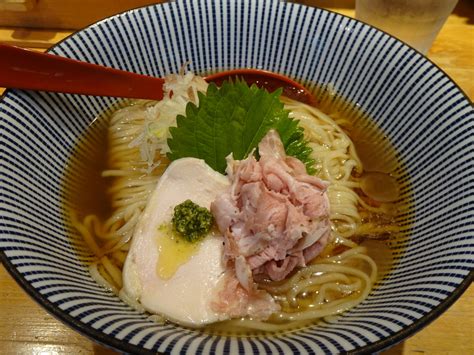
(425, 115)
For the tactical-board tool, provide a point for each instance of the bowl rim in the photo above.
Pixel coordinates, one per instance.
(116, 344)
(121, 345)
(294, 3)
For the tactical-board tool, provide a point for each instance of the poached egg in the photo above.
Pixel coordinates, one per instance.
(174, 278)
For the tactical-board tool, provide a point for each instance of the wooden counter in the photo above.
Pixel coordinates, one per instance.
(25, 328)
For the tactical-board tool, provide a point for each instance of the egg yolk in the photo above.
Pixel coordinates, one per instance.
(173, 251)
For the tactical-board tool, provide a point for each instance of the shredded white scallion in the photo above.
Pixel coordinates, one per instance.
(179, 89)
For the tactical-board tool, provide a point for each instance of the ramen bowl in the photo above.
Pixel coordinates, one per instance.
(426, 117)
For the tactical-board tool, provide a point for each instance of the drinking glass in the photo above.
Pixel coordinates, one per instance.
(416, 22)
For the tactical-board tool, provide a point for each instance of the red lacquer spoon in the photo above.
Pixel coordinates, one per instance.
(25, 69)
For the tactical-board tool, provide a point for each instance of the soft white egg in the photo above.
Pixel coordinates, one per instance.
(177, 280)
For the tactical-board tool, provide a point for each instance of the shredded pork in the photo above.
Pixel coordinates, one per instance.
(274, 217)
(235, 301)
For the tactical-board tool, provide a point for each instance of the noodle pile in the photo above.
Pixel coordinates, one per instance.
(337, 280)
(109, 240)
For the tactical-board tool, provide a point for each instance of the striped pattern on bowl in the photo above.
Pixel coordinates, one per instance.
(424, 114)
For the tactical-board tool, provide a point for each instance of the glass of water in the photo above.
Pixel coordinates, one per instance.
(416, 22)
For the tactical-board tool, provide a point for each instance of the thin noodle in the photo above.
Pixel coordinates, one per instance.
(328, 286)
(114, 272)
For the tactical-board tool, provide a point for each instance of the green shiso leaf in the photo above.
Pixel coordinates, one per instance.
(233, 119)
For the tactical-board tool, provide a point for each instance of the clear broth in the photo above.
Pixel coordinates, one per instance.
(88, 193)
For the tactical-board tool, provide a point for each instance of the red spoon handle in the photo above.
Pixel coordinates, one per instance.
(25, 69)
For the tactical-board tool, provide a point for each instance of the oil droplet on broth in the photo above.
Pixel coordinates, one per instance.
(384, 161)
(173, 252)
(380, 186)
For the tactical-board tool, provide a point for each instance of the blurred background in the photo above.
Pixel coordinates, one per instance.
(25, 328)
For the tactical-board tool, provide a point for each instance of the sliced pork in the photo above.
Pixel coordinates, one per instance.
(274, 217)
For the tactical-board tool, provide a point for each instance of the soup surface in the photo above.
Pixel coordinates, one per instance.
(380, 202)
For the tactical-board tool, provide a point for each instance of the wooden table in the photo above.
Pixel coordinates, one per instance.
(25, 328)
